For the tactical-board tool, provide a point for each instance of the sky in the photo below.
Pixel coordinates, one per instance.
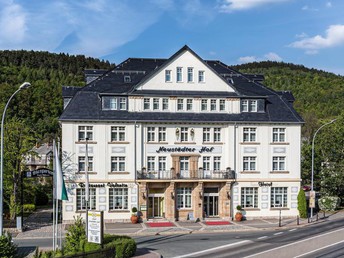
(305, 32)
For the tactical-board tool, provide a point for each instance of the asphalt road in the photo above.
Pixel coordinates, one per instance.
(324, 239)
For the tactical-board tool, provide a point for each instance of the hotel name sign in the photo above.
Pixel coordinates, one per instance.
(184, 149)
(102, 185)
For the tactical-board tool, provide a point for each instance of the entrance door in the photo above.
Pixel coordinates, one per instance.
(211, 202)
(156, 206)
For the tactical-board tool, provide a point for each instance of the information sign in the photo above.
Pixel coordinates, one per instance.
(95, 227)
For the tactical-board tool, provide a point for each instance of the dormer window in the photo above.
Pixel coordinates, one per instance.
(109, 103)
(168, 77)
(122, 103)
(127, 78)
(248, 105)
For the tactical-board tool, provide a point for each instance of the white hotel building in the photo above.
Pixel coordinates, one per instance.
(181, 138)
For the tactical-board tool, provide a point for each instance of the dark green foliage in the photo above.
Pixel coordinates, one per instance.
(75, 237)
(302, 204)
(29, 208)
(125, 248)
(7, 248)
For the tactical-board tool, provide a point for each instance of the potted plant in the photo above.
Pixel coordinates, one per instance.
(238, 215)
(134, 218)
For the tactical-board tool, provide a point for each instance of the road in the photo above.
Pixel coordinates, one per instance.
(324, 239)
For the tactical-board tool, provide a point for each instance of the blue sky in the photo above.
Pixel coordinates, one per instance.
(307, 32)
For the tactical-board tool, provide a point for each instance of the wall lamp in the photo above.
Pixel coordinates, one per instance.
(172, 195)
(143, 195)
(177, 132)
(200, 194)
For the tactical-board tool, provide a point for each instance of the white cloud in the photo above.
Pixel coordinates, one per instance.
(247, 59)
(302, 35)
(307, 8)
(334, 37)
(12, 23)
(273, 57)
(233, 5)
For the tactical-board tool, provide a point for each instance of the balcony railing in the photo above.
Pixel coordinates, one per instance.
(188, 174)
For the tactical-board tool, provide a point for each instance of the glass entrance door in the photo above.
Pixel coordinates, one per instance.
(211, 205)
(156, 206)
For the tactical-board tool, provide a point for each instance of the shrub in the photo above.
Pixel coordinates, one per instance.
(125, 248)
(75, 237)
(302, 204)
(329, 203)
(29, 208)
(7, 247)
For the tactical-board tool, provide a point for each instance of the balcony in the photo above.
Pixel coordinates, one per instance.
(187, 174)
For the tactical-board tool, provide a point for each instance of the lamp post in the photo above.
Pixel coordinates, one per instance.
(332, 121)
(21, 87)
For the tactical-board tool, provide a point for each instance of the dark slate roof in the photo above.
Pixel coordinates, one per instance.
(69, 91)
(86, 104)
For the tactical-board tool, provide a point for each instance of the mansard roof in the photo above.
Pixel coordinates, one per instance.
(86, 103)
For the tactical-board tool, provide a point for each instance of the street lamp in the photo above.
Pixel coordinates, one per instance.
(332, 121)
(21, 87)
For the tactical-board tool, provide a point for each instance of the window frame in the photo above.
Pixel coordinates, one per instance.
(150, 133)
(251, 162)
(168, 75)
(278, 163)
(249, 134)
(201, 76)
(119, 163)
(249, 192)
(184, 198)
(122, 195)
(179, 74)
(278, 134)
(118, 133)
(282, 194)
(81, 199)
(82, 164)
(85, 131)
(190, 74)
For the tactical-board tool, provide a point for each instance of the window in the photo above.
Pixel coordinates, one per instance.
(155, 103)
(184, 198)
(206, 163)
(278, 163)
(162, 134)
(127, 78)
(81, 199)
(249, 164)
(146, 104)
(278, 134)
(184, 132)
(248, 105)
(162, 163)
(180, 104)
(217, 163)
(222, 105)
(204, 105)
(150, 134)
(201, 76)
(117, 133)
(189, 103)
(190, 74)
(179, 74)
(217, 134)
(168, 77)
(164, 104)
(206, 134)
(150, 163)
(279, 197)
(122, 103)
(109, 103)
(85, 132)
(249, 197)
(118, 198)
(117, 164)
(244, 106)
(213, 105)
(249, 134)
(82, 164)
(253, 106)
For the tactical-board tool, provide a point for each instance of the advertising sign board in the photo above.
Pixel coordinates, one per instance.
(95, 227)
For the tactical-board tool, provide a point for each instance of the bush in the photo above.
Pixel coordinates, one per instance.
(75, 237)
(125, 248)
(41, 197)
(29, 208)
(7, 248)
(302, 204)
(329, 203)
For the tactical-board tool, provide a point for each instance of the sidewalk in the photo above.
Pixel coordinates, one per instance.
(39, 225)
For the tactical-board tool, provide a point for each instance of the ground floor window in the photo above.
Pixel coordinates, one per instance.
(184, 197)
(81, 199)
(279, 197)
(249, 197)
(118, 198)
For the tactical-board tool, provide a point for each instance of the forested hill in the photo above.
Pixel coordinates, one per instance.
(39, 107)
(319, 94)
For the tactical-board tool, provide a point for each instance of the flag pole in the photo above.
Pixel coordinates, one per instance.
(54, 193)
(60, 236)
(87, 194)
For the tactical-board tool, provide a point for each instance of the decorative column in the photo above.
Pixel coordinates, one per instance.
(198, 201)
(170, 197)
(143, 197)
